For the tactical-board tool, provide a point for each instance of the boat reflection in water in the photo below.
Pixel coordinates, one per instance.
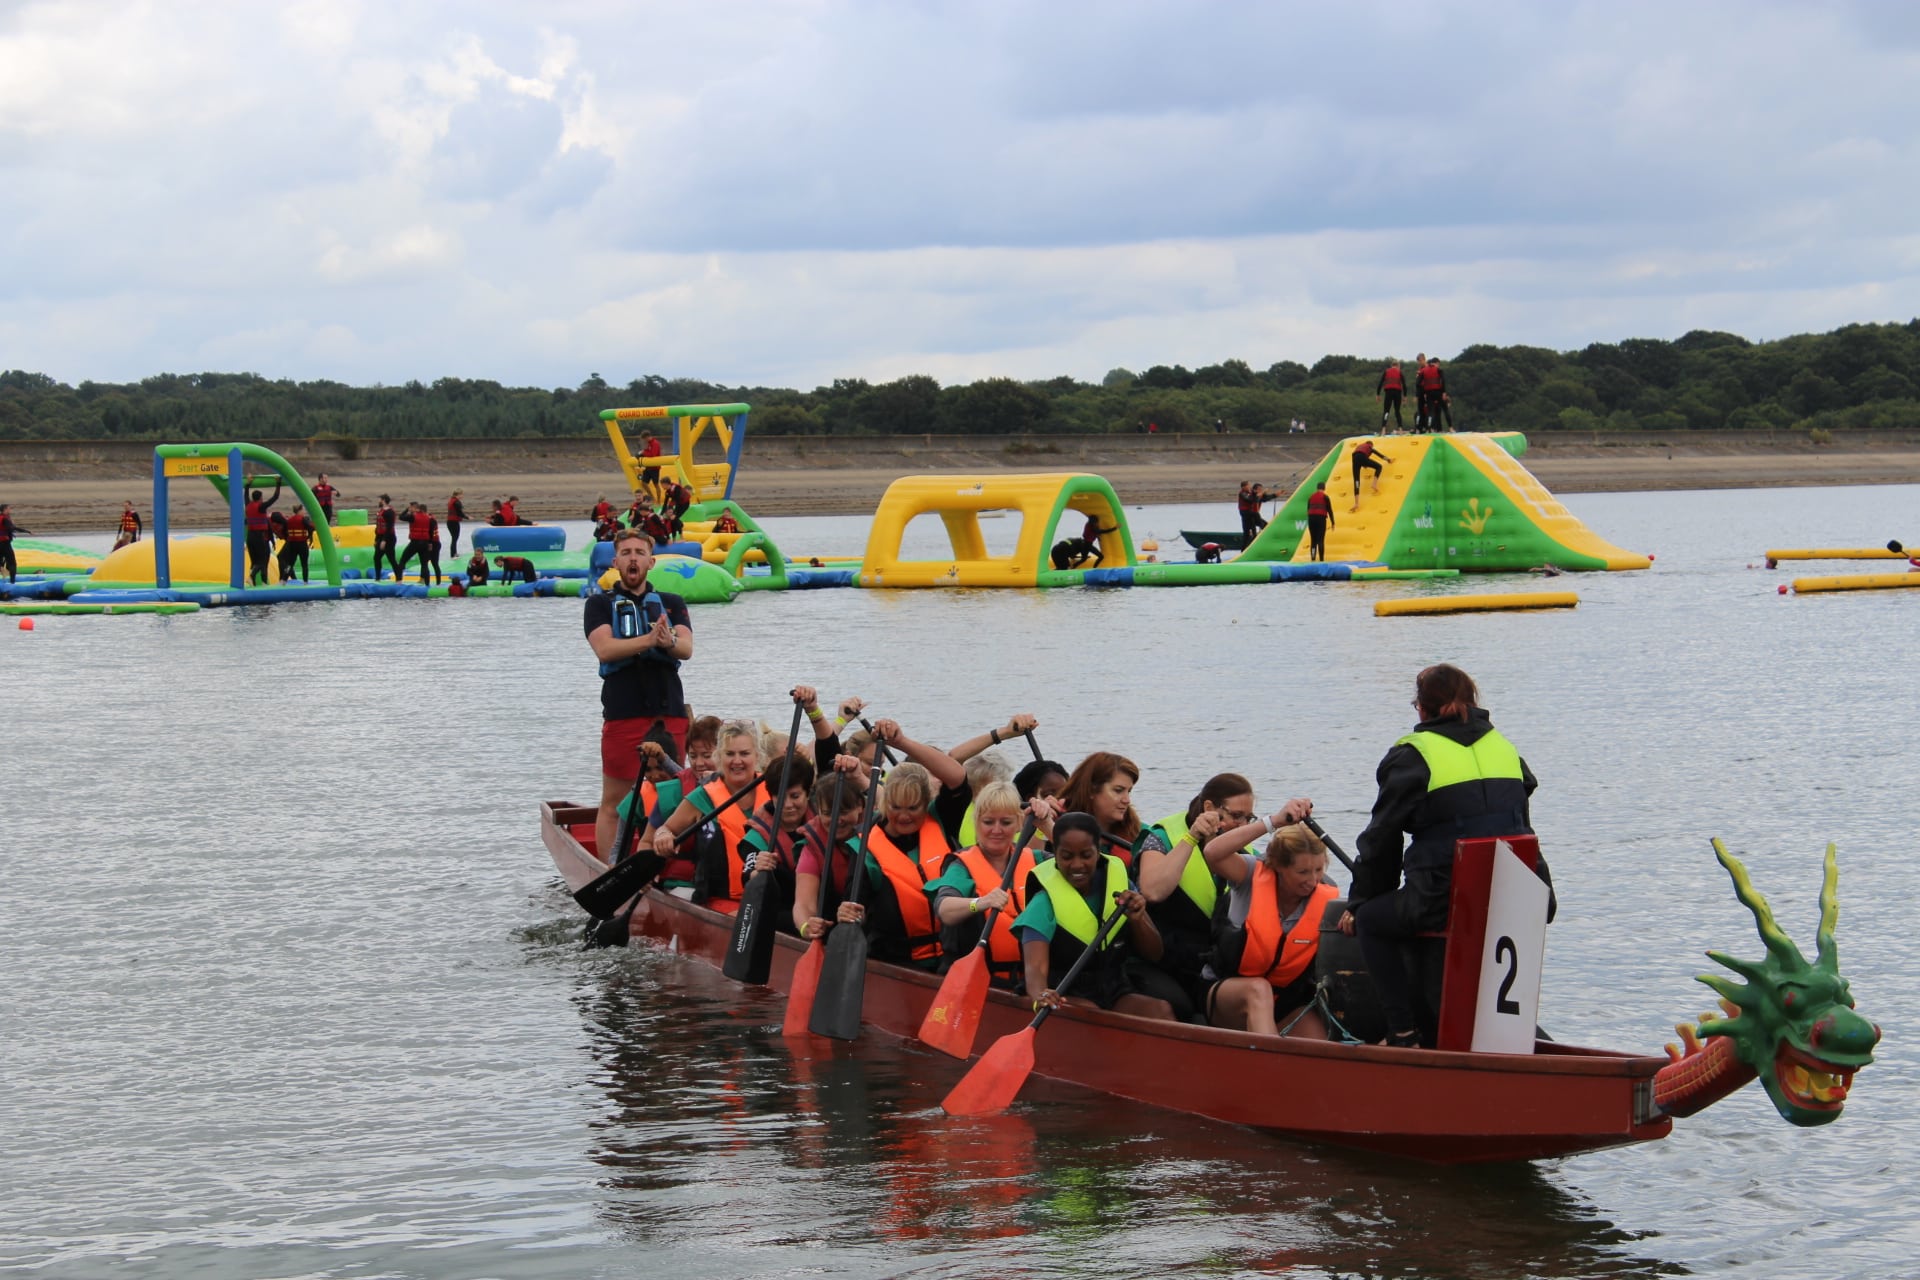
(730, 1150)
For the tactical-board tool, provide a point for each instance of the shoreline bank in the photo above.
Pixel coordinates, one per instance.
(66, 487)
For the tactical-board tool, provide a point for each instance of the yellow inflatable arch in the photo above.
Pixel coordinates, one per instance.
(1041, 502)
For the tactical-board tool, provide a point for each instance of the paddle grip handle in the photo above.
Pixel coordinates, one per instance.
(1100, 941)
(880, 746)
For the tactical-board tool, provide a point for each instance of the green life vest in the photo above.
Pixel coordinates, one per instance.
(1449, 763)
(1069, 908)
(967, 837)
(1196, 878)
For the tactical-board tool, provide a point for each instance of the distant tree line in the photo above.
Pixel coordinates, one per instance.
(1856, 376)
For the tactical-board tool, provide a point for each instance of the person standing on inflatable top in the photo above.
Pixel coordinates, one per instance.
(299, 540)
(259, 532)
(129, 527)
(650, 450)
(1392, 386)
(1445, 400)
(323, 498)
(456, 516)
(1365, 455)
(641, 636)
(420, 530)
(1319, 520)
(1249, 513)
(386, 536)
(8, 530)
(1432, 385)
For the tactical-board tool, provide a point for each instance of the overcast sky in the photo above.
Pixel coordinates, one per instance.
(782, 194)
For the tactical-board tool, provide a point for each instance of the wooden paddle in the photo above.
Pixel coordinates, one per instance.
(953, 1019)
(750, 948)
(600, 897)
(806, 974)
(995, 1080)
(1327, 840)
(843, 973)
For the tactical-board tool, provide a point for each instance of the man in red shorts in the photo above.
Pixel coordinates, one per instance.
(641, 637)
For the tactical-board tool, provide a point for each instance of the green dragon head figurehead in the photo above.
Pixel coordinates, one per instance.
(1792, 1022)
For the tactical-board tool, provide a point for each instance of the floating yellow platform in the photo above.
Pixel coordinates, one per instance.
(1858, 582)
(1476, 604)
(1834, 553)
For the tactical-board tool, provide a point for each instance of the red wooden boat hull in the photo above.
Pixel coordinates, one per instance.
(1449, 1108)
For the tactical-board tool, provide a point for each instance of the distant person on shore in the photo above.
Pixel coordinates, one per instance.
(129, 528)
(1319, 520)
(299, 542)
(1366, 456)
(259, 532)
(1219, 426)
(386, 536)
(8, 531)
(456, 516)
(516, 566)
(323, 494)
(477, 570)
(1392, 386)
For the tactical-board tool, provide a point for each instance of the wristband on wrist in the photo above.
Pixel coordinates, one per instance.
(994, 736)
(973, 907)
(1267, 822)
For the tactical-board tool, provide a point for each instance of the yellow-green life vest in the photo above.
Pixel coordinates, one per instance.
(1069, 908)
(1196, 878)
(1449, 763)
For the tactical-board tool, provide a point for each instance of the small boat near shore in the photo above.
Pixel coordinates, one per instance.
(1439, 1106)
(1226, 541)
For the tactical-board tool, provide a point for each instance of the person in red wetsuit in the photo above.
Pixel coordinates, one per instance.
(420, 531)
(386, 535)
(277, 532)
(433, 547)
(129, 527)
(259, 533)
(323, 494)
(1391, 388)
(299, 542)
(516, 566)
(1366, 456)
(602, 511)
(1432, 386)
(1249, 513)
(8, 530)
(508, 515)
(1445, 400)
(650, 475)
(456, 516)
(477, 570)
(1319, 520)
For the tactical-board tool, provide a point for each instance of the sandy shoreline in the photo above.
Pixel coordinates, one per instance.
(810, 478)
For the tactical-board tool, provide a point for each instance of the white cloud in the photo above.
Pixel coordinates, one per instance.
(786, 193)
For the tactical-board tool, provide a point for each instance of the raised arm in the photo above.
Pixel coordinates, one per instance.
(1017, 724)
(947, 771)
(1223, 850)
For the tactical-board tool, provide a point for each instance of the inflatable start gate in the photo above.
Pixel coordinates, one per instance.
(1040, 502)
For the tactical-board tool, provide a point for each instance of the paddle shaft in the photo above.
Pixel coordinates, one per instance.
(1032, 745)
(1327, 840)
(1100, 939)
(885, 754)
(750, 948)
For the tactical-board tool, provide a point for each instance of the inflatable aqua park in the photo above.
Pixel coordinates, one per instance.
(1438, 506)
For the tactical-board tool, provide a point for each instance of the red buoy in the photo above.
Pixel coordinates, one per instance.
(1783, 588)
(26, 624)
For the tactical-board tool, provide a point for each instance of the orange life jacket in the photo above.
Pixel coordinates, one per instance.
(1280, 956)
(933, 847)
(733, 826)
(1003, 949)
(909, 888)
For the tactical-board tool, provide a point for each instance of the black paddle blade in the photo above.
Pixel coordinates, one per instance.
(602, 897)
(843, 985)
(606, 933)
(750, 949)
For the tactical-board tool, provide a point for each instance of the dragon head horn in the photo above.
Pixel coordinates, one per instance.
(1829, 954)
(1779, 945)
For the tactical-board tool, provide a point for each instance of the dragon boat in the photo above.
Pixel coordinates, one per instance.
(1791, 1024)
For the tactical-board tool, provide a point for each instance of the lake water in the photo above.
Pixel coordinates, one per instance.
(291, 991)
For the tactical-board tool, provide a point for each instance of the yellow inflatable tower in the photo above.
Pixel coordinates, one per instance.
(1454, 501)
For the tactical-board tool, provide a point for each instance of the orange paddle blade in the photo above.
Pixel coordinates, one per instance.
(953, 1019)
(806, 980)
(995, 1079)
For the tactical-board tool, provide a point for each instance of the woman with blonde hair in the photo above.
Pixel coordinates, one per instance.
(1264, 949)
